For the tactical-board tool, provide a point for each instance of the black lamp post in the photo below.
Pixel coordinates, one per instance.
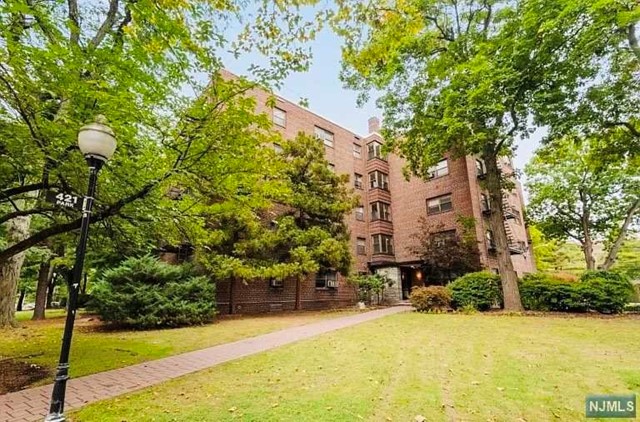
(97, 142)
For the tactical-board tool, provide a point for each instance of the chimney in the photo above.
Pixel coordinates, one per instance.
(374, 124)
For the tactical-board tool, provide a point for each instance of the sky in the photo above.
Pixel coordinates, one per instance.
(327, 96)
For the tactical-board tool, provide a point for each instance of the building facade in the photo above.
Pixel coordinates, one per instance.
(389, 213)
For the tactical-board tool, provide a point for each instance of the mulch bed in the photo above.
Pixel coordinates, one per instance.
(16, 375)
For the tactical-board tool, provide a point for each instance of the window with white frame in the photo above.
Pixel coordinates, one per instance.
(380, 211)
(382, 244)
(491, 242)
(361, 246)
(360, 213)
(357, 180)
(279, 117)
(378, 180)
(325, 136)
(326, 279)
(374, 150)
(357, 150)
(278, 148)
(439, 204)
(440, 169)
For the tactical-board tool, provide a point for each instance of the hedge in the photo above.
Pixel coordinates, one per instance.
(480, 290)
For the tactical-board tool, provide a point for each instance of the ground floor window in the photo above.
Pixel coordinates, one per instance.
(327, 279)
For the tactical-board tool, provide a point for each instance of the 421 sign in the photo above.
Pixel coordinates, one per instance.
(64, 200)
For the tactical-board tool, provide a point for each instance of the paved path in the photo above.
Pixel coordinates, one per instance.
(32, 404)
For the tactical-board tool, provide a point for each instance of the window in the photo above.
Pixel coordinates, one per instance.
(374, 150)
(360, 213)
(383, 244)
(332, 167)
(357, 180)
(380, 211)
(278, 148)
(279, 117)
(325, 136)
(440, 169)
(276, 283)
(444, 238)
(361, 246)
(357, 150)
(378, 179)
(326, 279)
(439, 204)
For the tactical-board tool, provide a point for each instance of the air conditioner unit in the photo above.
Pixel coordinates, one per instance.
(332, 283)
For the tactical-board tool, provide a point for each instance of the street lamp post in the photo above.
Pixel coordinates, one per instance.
(98, 143)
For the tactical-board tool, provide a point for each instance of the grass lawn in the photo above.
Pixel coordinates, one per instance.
(38, 342)
(443, 367)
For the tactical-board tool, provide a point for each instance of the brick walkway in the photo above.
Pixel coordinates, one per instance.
(32, 404)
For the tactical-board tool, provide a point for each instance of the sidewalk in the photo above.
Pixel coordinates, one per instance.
(33, 404)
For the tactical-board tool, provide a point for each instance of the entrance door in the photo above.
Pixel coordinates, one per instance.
(406, 275)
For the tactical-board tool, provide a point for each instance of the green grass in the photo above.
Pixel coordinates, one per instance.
(94, 351)
(444, 367)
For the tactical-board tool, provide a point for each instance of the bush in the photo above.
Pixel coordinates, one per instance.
(146, 293)
(541, 292)
(432, 298)
(606, 292)
(369, 285)
(481, 290)
(600, 291)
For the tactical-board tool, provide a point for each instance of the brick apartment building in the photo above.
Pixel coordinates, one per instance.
(389, 214)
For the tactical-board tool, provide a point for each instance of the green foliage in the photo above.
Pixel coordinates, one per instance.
(600, 291)
(299, 227)
(541, 292)
(481, 290)
(606, 292)
(146, 293)
(572, 180)
(369, 285)
(431, 298)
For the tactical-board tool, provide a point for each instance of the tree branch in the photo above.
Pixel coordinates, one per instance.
(24, 213)
(613, 252)
(107, 25)
(7, 193)
(111, 210)
(74, 17)
(635, 132)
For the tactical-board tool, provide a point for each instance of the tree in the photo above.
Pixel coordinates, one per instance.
(591, 88)
(577, 191)
(65, 62)
(296, 229)
(447, 255)
(456, 77)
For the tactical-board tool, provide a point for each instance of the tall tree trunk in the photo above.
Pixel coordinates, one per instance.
(45, 274)
(50, 290)
(508, 276)
(587, 245)
(615, 248)
(17, 230)
(23, 293)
